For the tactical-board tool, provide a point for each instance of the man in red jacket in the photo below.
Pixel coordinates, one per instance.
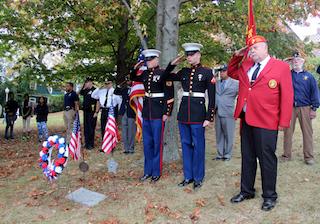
(264, 106)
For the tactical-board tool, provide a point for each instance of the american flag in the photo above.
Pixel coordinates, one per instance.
(75, 141)
(111, 135)
(136, 98)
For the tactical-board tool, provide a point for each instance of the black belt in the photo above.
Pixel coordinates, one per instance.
(105, 108)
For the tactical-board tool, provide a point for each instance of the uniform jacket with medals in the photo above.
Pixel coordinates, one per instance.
(269, 100)
(196, 79)
(155, 107)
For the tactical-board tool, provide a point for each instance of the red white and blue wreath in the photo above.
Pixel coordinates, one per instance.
(53, 168)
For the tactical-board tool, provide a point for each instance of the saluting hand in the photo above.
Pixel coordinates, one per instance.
(241, 52)
(177, 60)
(138, 65)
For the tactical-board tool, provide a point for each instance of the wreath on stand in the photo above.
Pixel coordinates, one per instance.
(52, 168)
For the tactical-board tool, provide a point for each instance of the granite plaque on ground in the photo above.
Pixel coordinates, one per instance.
(86, 197)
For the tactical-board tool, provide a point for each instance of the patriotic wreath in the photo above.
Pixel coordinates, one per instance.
(52, 168)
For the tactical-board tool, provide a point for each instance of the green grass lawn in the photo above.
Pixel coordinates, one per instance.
(27, 197)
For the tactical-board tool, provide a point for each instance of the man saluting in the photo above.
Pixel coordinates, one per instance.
(264, 106)
(157, 106)
(193, 116)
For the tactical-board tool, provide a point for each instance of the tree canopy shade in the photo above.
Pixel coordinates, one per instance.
(98, 38)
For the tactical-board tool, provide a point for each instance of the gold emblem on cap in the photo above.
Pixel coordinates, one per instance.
(272, 83)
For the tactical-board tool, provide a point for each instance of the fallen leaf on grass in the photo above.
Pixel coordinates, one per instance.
(201, 202)
(221, 200)
(164, 209)
(237, 184)
(175, 215)
(306, 180)
(33, 178)
(41, 217)
(36, 193)
(187, 190)
(32, 203)
(114, 195)
(110, 221)
(148, 212)
(195, 215)
(150, 217)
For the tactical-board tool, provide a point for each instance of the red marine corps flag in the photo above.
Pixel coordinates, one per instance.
(251, 26)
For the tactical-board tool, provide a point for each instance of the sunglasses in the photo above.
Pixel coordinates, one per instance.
(150, 58)
(190, 53)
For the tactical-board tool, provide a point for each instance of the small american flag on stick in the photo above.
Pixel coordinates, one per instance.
(111, 135)
(75, 141)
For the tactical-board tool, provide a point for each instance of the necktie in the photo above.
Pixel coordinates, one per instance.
(106, 101)
(222, 85)
(255, 73)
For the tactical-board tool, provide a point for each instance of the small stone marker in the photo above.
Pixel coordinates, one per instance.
(86, 197)
(112, 166)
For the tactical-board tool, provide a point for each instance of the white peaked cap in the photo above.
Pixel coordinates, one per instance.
(192, 46)
(151, 53)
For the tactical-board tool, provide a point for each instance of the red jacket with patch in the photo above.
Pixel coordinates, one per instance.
(270, 99)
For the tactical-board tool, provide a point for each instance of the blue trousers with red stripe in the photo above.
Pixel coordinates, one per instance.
(152, 131)
(193, 151)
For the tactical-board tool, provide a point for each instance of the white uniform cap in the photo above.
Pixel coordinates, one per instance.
(192, 46)
(151, 53)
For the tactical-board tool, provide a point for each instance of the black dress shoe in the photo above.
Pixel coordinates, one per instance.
(145, 177)
(240, 197)
(197, 185)
(185, 182)
(268, 204)
(217, 158)
(155, 178)
(126, 152)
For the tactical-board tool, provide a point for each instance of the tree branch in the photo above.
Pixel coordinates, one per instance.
(194, 20)
(136, 25)
(184, 1)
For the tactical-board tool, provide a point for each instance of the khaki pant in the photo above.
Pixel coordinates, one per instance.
(303, 114)
(26, 124)
(68, 118)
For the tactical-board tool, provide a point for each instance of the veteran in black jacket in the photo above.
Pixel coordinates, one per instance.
(157, 106)
(193, 115)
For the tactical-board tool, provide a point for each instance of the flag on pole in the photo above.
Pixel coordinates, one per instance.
(136, 103)
(111, 135)
(75, 141)
(251, 26)
(136, 98)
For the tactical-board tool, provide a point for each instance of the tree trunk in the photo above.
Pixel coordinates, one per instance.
(167, 43)
(122, 53)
